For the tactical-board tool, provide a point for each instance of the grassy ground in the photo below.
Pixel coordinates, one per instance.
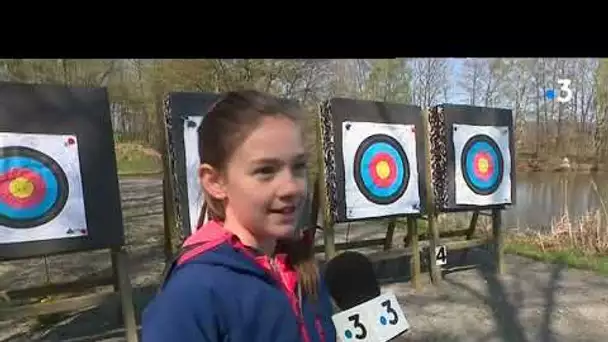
(134, 160)
(580, 242)
(570, 257)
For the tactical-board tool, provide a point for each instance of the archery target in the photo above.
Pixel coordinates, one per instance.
(483, 165)
(40, 188)
(195, 192)
(380, 169)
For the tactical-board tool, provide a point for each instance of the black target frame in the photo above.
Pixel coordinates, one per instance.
(443, 155)
(85, 113)
(338, 110)
(178, 107)
(367, 142)
(62, 181)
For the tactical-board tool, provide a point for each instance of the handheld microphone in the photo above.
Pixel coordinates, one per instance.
(367, 315)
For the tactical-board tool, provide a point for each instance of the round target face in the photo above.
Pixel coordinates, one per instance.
(381, 169)
(33, 187)
(482, 164)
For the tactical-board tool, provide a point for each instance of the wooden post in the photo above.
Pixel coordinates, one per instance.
(126, 294)
(314, 205)
(329, 234)
(472, 225)
(498, 240)
(412, 231)
(470, 233)
(390, 232)
(173, 236)
(430, 204)
(433, 243)
(168, 217)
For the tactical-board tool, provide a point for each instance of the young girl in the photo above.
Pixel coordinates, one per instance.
(248, 275)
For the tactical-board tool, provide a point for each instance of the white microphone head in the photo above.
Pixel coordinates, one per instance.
(378, 320)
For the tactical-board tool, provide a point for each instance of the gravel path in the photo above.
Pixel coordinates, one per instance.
(531, 302)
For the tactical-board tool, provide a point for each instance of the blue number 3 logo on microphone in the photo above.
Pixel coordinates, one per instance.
(377, 320)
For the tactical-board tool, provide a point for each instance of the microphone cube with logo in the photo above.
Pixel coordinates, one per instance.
(367, 315)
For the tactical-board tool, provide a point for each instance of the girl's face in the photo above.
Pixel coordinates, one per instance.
(264, 186)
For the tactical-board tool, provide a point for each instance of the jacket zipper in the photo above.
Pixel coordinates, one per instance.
(298, 309)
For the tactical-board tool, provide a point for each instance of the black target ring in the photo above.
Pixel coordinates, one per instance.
(48, 195)
(381, 148)
(481, 180)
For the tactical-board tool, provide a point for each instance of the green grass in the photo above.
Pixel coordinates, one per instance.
(136, 160)
(570, 257)
(589, 253)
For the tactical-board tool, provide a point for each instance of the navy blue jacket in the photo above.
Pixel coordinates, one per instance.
(220, 291)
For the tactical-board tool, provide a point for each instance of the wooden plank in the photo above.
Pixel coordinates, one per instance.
(381, 241)
(392, 254)
(425, 245)
(79, 285)
(453, 233)
(353, 244)
(78, 303)
(104, 336)
(465, 244)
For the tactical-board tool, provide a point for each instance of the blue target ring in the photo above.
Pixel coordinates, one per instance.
(33, 187)
(482, 164)
(381, 169)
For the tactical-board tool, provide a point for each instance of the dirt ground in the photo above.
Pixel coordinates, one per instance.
(531, 302)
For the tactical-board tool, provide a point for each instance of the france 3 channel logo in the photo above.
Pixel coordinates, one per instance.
(561, 95)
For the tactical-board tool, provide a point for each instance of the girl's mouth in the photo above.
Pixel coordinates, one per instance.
(286, 210)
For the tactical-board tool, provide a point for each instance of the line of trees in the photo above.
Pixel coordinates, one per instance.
(545, 129)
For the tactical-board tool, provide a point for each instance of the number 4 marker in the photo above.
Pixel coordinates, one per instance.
(441, 255)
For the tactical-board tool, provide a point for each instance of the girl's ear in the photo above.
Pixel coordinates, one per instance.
(212, 181)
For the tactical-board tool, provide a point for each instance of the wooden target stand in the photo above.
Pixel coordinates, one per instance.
(26, 302)
(443, 242)
(414, 246)
(330, 248)
(42, 114)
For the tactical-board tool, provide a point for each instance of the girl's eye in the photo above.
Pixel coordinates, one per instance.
(266, 170)
(300, 167)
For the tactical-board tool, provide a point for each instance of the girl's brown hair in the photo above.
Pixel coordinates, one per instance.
(225, 126)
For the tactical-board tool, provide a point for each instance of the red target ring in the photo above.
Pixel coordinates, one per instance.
(21, 188)
(383, 170)
(483, 166)
(33, 187)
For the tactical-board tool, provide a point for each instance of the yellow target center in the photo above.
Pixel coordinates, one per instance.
(483, 165)
(383, 170)
(21, 187)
